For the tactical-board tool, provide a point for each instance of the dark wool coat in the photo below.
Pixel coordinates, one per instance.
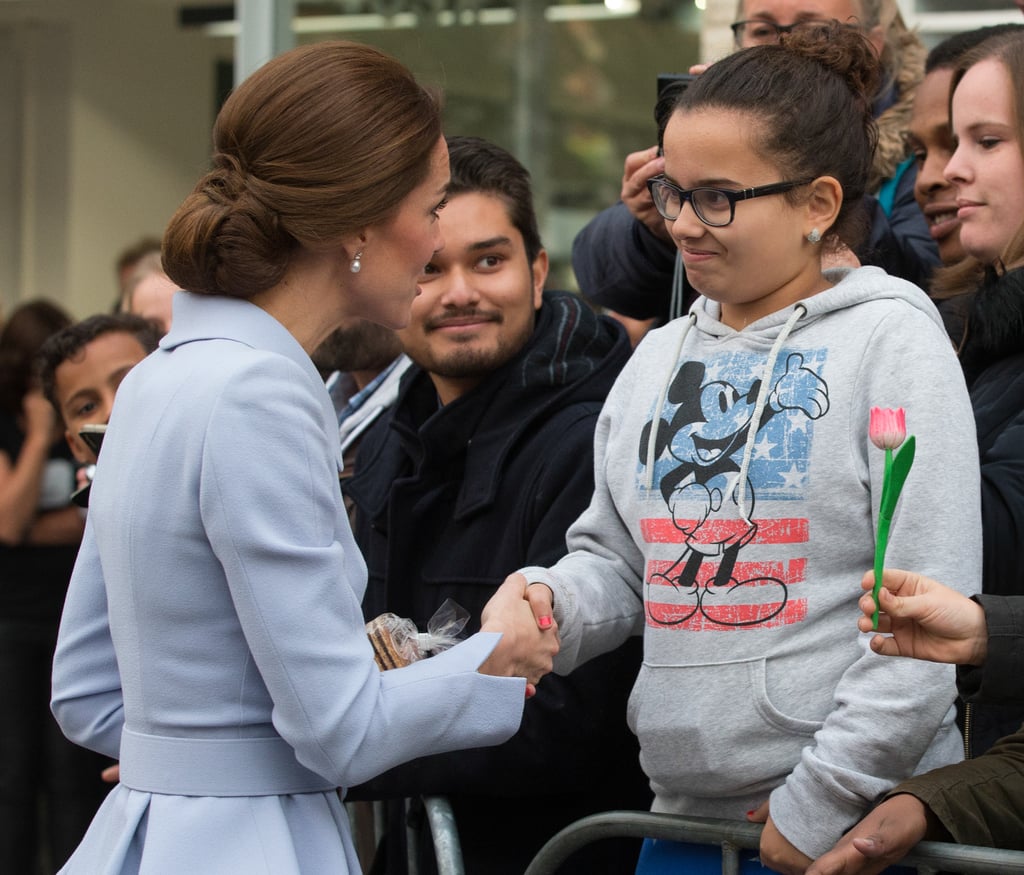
(993, 362)
(449, 501)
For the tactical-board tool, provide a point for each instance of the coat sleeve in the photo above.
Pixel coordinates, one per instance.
(1002, 508)
(979, 801)
(86, 697)
(621, 265)
(574, 722)
(273, 514)
(999, 679)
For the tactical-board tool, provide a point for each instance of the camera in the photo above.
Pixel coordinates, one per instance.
(677, 82)
(670, 86)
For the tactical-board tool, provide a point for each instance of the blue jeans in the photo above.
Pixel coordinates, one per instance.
(664, 857)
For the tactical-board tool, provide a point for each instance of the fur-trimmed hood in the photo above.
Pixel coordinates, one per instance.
(894, 119)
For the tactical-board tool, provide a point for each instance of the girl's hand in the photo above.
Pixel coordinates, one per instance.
(776, 852)
(527, 648)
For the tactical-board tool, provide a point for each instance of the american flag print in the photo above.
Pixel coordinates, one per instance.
(713, 565)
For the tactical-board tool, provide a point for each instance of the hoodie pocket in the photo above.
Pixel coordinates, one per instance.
(714, 730)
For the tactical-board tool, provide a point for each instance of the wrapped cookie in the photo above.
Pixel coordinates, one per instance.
(396, 640)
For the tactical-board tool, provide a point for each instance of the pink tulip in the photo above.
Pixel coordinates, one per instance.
(888, 428)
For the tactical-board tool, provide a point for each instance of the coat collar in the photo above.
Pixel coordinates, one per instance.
(210, 317)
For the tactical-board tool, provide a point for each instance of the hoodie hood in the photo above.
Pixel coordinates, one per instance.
(852, 287)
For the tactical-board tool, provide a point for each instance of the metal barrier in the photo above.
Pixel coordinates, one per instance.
(445, 835)
(928, 857)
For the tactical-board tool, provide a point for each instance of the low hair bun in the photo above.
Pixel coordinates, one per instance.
(224, 240)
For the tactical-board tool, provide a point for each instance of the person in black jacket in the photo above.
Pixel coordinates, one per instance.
(481, 466)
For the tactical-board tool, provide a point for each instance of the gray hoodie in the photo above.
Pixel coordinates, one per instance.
(738, 552)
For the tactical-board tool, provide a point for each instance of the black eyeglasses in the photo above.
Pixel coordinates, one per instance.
(759, 32)
(713, 206)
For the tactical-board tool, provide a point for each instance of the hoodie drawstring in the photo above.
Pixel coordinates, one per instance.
(762, 400)
(675, 307)
(652, 438)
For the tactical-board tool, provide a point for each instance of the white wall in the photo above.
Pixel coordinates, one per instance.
(105, 115)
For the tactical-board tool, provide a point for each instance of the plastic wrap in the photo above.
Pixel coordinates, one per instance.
(397, 641)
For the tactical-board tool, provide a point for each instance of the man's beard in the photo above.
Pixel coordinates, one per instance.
(470, 361)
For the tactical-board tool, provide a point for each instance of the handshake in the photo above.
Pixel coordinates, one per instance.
(529, 642)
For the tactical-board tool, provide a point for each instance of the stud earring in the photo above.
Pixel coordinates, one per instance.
(813, 237)
(357, 264)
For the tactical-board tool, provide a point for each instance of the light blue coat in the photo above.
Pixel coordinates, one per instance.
(212, 638)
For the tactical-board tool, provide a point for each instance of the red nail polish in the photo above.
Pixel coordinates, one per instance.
(545, 622)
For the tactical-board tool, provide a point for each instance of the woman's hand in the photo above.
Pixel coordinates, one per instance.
(527, 648)
(776, 852)
(924, 619)
(885, 836)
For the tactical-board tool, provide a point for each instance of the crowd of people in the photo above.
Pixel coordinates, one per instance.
(339, 388)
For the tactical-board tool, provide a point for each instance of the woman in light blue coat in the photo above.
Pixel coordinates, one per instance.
(212, 638)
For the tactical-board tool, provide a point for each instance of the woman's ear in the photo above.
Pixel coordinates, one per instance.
(823, 204)
(353, 243)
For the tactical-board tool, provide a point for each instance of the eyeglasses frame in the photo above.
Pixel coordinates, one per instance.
(732, 196)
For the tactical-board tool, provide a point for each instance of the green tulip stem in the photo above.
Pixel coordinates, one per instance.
(884, 522)
(893, 478)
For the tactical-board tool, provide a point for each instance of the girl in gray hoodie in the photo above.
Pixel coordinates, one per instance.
(737, 490)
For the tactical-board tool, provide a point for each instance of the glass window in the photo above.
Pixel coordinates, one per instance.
(569, 98)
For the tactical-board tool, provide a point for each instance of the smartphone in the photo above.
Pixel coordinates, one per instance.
(92, 435)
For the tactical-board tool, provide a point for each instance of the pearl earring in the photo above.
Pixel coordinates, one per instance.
(814, 236)
(357, 264)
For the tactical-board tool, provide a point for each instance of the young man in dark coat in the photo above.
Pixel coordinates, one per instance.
(481, 466)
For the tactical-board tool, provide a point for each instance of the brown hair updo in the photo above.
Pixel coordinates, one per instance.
(811, 95)
(322, 141)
